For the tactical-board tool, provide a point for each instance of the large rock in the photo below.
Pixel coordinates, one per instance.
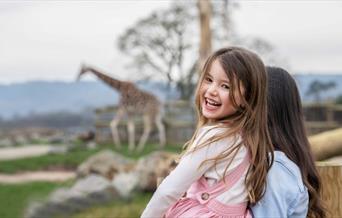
(105, 163)
(125, 183)
(153, 166)
(87, 192)
(98, 189)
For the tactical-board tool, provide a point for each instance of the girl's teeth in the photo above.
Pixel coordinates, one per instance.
(212, 103)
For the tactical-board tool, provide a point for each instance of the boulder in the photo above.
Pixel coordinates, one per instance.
(106, 163)
(153, 166)
(87, 192)
(125, 183)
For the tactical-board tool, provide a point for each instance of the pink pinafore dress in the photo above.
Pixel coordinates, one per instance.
(200, 198)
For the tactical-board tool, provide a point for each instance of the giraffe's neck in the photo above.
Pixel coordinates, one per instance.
(114, 83)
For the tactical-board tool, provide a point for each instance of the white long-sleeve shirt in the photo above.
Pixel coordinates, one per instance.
(187, 172)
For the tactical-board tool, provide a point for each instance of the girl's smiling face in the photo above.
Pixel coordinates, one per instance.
(214, 94)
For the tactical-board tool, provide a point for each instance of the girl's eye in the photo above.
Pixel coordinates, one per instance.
(225, 86)
(208, 79)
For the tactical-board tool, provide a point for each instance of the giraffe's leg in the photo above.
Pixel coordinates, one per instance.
(146, 133)
(161, 130)
(114, 127)
(131, 134)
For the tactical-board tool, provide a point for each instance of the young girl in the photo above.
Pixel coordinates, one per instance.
(225, 163)
(298, 193)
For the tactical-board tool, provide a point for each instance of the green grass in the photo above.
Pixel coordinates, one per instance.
(148, 149)
(118, 209)
(66, 161)
(14, 198)
(71, 159)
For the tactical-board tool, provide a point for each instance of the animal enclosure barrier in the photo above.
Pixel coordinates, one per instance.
(322, 117)
(179, 119)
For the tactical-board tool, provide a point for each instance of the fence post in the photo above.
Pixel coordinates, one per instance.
(331, 175)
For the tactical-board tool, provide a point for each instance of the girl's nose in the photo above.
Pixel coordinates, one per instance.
(212, 90)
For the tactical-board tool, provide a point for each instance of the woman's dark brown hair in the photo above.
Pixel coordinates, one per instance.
(286, 127)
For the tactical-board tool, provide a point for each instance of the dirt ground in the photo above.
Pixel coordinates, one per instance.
(31, 151)
(25, 151)
(36, 176)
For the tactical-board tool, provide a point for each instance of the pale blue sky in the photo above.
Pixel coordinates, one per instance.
(47, 40)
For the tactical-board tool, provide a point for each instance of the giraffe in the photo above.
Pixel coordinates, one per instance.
(133, 101)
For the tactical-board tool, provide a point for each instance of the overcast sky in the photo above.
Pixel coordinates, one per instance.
(47, 40)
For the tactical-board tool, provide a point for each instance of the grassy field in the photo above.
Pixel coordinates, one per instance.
(15, 198)
(52, 161)
(69, 160)
(118, 209)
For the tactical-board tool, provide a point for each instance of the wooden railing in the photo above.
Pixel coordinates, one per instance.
(322, 117)
(179, 119)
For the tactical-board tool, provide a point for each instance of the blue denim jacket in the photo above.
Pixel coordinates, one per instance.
(286, 195)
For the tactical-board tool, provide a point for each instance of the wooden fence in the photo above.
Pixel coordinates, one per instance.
(322, 117)
(179, 120)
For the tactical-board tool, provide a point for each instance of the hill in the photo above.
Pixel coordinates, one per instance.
(39, 97)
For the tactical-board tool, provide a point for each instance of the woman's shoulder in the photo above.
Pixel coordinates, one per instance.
(285, 194)
(286, 171)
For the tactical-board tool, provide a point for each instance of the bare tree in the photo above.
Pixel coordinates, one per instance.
(160, 44)
(166, 43)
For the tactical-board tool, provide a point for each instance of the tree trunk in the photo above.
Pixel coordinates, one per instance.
(327, 144)
(204, 8)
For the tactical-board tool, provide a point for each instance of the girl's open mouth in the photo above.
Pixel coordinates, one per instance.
(211, 104)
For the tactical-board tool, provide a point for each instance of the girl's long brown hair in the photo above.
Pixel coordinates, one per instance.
(286, 126)
(245, 68)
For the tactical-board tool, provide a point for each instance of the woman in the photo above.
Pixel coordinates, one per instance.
(293, 184)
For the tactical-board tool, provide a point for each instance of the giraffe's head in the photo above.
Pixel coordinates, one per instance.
(84, 69)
